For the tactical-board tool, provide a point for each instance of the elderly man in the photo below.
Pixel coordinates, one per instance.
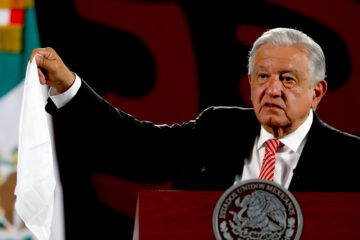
(280, 139)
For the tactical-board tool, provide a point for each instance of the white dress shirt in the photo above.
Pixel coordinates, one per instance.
(62, 99)
(287, 154)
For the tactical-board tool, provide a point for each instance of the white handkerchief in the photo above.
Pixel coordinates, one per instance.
(35, 173)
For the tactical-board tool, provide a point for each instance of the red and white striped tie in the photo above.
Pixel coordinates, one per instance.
(268, 165)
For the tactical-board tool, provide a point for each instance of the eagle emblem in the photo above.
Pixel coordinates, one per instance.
(257, 210)
(262, 216)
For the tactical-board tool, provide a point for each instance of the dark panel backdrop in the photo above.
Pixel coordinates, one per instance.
(165, 61)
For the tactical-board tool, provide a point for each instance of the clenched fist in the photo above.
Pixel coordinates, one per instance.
(52, 71)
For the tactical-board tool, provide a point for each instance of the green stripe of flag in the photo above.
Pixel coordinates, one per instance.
(13, 65)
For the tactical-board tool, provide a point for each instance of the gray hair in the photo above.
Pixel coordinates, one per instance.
(289, 37)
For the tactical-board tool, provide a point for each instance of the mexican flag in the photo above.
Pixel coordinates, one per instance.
(18, 37)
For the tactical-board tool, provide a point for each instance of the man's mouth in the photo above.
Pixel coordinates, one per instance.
(272, 105)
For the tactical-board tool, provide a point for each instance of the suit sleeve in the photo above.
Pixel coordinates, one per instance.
(100, 138)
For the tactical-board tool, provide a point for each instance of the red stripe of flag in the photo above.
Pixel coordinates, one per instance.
(17, 16)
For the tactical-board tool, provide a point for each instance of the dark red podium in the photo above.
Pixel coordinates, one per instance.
(173, 215)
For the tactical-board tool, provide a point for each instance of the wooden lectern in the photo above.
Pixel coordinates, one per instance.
(175, 215)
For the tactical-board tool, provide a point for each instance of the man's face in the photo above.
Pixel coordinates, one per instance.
(280, 88)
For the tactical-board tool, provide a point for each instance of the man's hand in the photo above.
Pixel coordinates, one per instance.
(52, 71)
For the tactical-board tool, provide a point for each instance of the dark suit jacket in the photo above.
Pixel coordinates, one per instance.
(203, 154)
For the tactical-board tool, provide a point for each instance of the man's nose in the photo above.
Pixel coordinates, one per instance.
(274, 87)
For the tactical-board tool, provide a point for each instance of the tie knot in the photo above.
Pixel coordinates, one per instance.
(272, 145)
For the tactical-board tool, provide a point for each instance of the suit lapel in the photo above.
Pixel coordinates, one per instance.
(243, 139)
(232, 145)
(309, 160)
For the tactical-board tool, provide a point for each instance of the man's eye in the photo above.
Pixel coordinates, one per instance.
(262, 75)
(288, 79)
(288, 82)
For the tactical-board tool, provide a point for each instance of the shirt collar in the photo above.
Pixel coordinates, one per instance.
(292, 140)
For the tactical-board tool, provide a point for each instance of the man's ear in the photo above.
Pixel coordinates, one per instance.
(319, 91)
(250, 80)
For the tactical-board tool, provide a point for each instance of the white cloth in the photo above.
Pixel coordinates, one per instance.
(287, 155)
(35, 173)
